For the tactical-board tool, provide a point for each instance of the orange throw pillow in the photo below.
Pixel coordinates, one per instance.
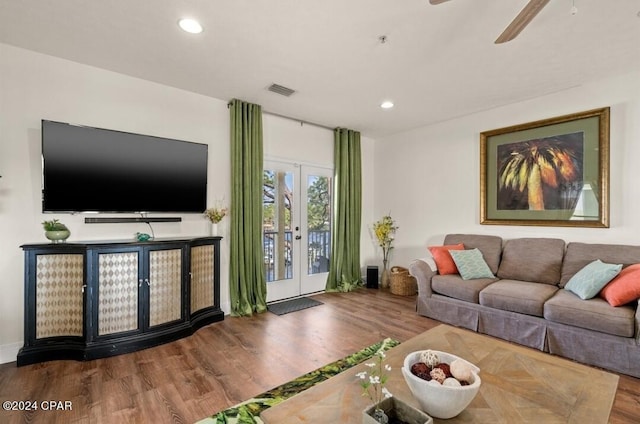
(443, 258)
(624, 288)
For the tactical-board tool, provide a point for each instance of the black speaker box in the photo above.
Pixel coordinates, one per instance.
(372, 277)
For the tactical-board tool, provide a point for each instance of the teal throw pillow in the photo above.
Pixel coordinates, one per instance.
(471, 264)
(588, 282)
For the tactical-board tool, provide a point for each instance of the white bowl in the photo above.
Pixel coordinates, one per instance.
(435, 399)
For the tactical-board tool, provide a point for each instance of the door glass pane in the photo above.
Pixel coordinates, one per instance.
(277, 202)
(318, 224)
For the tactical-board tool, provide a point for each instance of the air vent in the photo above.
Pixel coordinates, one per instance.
(279, 89)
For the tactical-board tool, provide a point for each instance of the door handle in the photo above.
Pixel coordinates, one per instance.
(298, 237)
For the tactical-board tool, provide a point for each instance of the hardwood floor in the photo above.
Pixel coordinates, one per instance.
(225, 363)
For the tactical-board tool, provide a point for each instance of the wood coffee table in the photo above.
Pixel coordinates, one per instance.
(519, 385)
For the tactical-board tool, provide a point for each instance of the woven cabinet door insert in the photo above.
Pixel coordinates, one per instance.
(59, 310)
(118, 292)
(165, 282)
(202, 277)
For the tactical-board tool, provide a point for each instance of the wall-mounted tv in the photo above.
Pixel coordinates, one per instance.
(88, 169)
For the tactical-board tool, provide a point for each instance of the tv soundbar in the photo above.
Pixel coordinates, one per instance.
(133, 219)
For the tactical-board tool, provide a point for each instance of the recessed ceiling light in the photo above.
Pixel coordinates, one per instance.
(190, 25)
(386, 105)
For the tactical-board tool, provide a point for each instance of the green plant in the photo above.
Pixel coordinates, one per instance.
(54, 225)
(216, 214)
(373, 382)
(385, 231)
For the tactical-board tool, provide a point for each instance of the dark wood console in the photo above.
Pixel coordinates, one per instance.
(92, 300)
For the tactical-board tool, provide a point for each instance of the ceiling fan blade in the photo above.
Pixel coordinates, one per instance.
(523, 19)
(437, 1)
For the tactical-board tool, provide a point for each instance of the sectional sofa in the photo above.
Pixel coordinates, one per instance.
(527, 301)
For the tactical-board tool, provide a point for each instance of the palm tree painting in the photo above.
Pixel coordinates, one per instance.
(541, 174)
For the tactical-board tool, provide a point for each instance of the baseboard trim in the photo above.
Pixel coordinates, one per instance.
(9, 352)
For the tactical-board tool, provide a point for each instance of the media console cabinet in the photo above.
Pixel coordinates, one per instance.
(92, 300)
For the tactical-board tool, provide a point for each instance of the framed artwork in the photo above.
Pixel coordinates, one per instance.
(553, 172)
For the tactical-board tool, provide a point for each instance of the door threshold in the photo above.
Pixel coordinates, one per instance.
(295, 297)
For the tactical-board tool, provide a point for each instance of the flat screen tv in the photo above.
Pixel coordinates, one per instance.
(88, 169)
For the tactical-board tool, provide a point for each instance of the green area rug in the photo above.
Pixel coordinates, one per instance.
(248, 412)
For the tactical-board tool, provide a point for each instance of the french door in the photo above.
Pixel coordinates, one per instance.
(296, 228)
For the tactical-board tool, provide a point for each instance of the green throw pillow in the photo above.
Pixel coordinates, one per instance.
(588, 282)
(471, 264)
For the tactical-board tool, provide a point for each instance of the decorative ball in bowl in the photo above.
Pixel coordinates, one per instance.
(442, 383)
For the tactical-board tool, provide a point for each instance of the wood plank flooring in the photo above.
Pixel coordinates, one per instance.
(227, 362)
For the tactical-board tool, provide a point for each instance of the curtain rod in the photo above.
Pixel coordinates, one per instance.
(302, 122)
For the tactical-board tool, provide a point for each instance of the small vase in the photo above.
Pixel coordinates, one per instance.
(57, 236)
(385, 279)
(213, 230)
(396, 410)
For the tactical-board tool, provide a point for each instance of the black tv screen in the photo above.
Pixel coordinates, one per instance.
(88, 169)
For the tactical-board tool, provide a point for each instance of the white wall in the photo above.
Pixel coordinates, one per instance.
(314, 144)
(35, 86)
(429, 178)
(369, 250)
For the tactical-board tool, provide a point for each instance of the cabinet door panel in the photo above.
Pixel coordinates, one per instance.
(118, 292)
(165, 284)
(202, 277)
(59, 309)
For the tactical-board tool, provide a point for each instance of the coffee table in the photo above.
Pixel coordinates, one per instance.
(519, 385)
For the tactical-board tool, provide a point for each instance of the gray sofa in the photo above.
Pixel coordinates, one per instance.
(526, 303)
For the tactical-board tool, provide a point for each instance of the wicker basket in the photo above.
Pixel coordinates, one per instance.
(402, 283)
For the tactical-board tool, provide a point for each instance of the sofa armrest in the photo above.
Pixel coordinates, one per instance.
(423, 270)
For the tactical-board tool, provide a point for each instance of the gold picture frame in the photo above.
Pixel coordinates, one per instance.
(553, 172)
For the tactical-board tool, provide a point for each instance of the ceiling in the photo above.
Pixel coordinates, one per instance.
(438, 62)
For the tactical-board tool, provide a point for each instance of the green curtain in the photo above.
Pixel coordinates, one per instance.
(344, 266)
(247, 281)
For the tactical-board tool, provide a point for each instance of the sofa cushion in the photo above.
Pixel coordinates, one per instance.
(594, 314)
(471, 265)
(536, 260)
(517, 296)
(454, 286)
(444, 261)
(624, 288)
(588, 282)
(578, 255)
(490, 246)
